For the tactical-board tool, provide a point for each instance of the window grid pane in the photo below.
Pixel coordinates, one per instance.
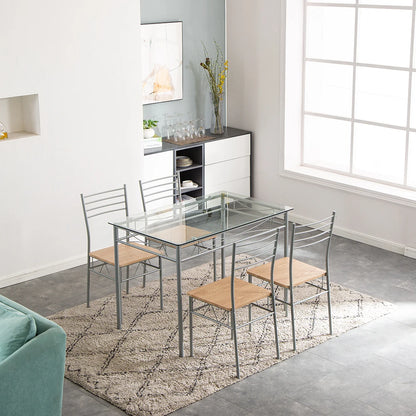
(381, 140)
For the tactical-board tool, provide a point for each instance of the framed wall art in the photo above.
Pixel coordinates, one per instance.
(161, 62)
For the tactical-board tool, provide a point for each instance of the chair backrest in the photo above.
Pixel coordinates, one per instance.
(307, 235)
(259, 248)
(101, 203)
(161, 191)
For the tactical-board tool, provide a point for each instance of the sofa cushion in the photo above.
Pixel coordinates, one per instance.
(16, 328)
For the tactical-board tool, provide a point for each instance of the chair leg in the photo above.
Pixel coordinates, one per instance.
(234, 331)
(276, 335)
(250, 280)
(119, 298)
(292, 314)
(214, 259)
(285, 297)
(144, 275)
(191, 344)
(88, 280)
(329, 303)
(127, 280)
(161, 283)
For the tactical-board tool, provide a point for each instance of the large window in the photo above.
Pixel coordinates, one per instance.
(359, 89)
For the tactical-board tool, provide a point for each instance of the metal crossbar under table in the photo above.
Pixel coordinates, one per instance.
(183, 224)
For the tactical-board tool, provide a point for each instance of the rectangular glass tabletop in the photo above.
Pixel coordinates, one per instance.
(183, 223)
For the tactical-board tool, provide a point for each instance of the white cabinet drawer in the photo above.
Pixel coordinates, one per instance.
(239, 186)
(224, 172)
(227, 149)
(157, 165)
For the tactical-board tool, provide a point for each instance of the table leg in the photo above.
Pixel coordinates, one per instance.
(286, 234)
(117, 279)
(223, 223)
(285, 255)
(179, 292)
(222, 256)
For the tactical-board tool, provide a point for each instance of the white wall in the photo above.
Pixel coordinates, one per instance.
(82, 58)
(254, 103)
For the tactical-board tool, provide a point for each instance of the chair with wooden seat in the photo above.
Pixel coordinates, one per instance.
(233, 293)
(165, 191)
(98, 261)
(290, 273)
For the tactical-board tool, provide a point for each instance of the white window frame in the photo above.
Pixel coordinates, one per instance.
(292, 149)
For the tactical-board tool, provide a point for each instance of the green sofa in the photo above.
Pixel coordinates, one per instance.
(32, 377)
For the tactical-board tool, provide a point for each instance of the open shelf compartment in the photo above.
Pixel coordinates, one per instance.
(20, 116)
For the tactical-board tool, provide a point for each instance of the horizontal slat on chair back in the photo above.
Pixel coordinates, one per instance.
(314, 233)
(166, 188)
(104, 202)
(258, 248)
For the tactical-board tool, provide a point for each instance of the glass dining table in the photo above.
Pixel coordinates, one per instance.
(187, 223)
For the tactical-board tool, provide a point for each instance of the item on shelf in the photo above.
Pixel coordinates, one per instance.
(216, 72)
(3, 131)
(178, 131)
(148, 130)
(188, 198)
(189, 141)
(189, 184)
(183, 161)
(200, 128)
(155, 141)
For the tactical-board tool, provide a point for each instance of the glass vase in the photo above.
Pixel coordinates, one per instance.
(217, 121)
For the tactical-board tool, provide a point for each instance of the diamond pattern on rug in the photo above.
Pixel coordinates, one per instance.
(138, 369)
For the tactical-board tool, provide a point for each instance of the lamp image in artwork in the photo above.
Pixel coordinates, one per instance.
(162, 62)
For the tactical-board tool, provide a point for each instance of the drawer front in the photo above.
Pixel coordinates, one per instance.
(227, 149)
(157, 165)
(239, 186)
(225, 172)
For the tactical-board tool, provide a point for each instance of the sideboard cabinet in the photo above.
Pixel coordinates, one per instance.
(220, 164)
(227, 165)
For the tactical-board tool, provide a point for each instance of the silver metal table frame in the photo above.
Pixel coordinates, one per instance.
(259, 212)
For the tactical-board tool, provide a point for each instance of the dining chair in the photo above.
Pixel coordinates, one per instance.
(233, 292)
(160, 191)
(167, 190)
(289, 273)
(104, 203)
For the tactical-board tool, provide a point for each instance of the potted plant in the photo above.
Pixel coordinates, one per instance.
(148, 130)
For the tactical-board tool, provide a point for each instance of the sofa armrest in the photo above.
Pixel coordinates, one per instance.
(31, 379)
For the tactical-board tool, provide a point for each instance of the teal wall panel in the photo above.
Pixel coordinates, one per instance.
(203, 23)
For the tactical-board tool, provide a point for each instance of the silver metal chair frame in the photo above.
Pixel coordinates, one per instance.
(169, 188)
(102, 203)
(264, 252)
(319, 232)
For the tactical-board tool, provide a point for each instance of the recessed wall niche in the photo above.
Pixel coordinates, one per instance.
(20, 115)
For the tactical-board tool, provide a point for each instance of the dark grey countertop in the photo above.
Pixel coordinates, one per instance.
(228, 133)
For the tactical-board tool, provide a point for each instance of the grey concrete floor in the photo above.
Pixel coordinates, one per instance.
(370, 370)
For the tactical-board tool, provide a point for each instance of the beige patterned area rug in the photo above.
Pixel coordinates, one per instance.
(138, 369)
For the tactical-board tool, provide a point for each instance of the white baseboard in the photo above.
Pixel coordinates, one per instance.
(362, 238)
(342, 232)
(33, 274)
(410, 252)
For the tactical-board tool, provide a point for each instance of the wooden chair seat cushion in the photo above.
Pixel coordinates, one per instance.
(126, 255)
(218, 293)
(301, 272)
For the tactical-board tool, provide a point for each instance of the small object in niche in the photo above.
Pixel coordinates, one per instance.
(183, 161)
(155, 141)
(189, 184)
(3, 131)
(148, 128)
